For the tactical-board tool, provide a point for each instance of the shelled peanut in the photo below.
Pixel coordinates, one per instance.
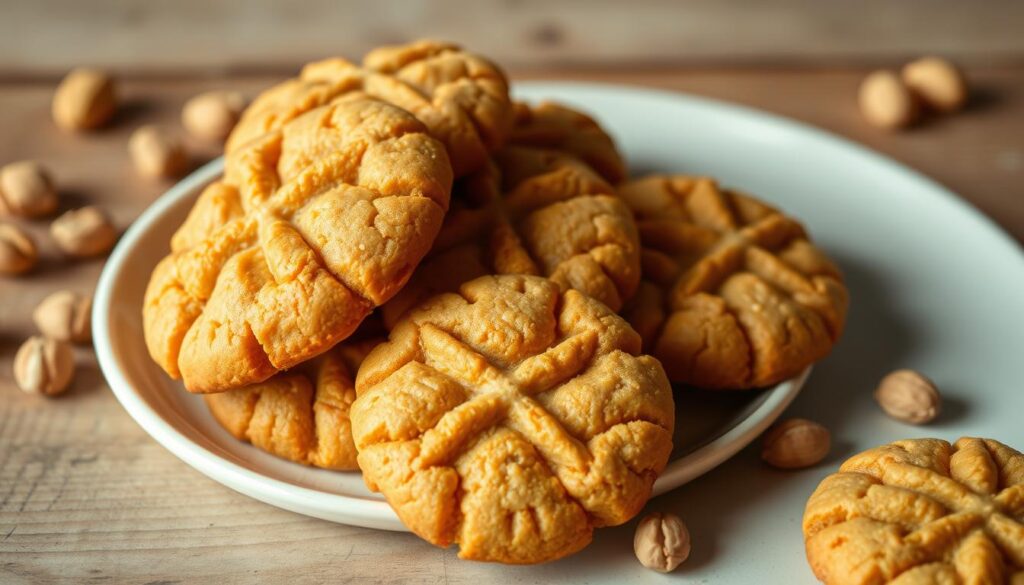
(930, 84)
(212, 115)
(84, 232)
(44, 366)
(795, 443)
(26, 190)
(86, 99)
(18, 252)
(157, 153)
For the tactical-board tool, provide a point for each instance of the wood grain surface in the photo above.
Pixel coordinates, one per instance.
(214, 36)
(87, 497)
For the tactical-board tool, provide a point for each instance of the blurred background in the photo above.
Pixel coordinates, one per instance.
(218, 36)
(87, 495)
(802, 59)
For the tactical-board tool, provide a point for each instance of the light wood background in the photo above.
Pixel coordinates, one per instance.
(41, 37)
(87, 497)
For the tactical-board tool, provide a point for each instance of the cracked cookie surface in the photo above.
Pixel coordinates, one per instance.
(301, 415)
(920, 511)
(314, 224)
(734, 295)
(552, 126)
(539, 209)
(461, 97)
(512, 419)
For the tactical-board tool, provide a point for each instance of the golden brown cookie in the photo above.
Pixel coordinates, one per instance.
(538, 211)
(315, 224)
(301, 415)
(512, 419)
(461, 97)
(734, 295)
(552, 126)
(920, 511)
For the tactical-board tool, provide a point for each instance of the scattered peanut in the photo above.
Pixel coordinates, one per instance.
(795, 443)
(661, 542)
(64, 315)
(157, 153)
(85, 99)
(212, 115)
(17, 250)
(936, 82)
(908, 396)
(886, 102)
(83, 232)
(26, 189)
(44, 366)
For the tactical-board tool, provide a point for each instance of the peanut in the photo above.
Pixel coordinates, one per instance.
(936, 82)
(795, 443)
(661, 542)
(26, 189)
(83, 232)
(64, 315)
(886, 102)
(908, 396)
(212, 115)
(17, 250)
(44, 366)
(84, 100)
(156, 153)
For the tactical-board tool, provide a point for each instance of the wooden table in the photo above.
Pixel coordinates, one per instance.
(86, 496)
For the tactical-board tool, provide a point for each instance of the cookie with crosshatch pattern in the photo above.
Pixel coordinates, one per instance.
(460, 96)
(512, 419)
(546, 206)
(314, 224)
(920, 511)
(301, 415)
(554, 126)
(734, 294)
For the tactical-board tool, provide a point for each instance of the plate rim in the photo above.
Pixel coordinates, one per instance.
(349, 509)
(373, 513)
(753, 114)
(364, 511)
(722, 447)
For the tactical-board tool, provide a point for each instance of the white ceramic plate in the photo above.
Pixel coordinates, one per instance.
(934, 285)
(711, 426)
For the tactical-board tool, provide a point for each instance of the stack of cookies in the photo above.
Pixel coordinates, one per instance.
(402, 271)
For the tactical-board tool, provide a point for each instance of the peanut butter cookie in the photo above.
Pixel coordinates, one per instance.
(315, 224)
(301, 415)
(920, 511)
(512, 419)
(734, 295)
(552, 126)
(537, 210)
(461, 97)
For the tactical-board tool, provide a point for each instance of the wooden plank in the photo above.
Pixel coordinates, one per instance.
(86, 496)
(143, 37)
